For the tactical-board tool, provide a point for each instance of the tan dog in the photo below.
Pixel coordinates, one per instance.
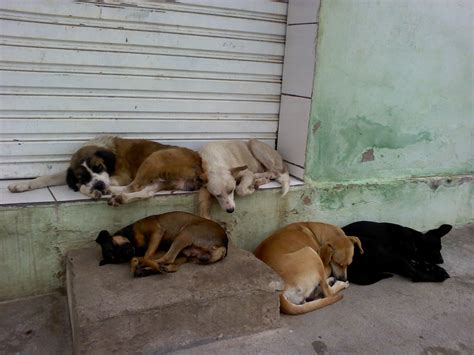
(305, 255)
(196, 239)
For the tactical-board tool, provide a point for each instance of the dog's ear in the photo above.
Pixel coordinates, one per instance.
(109, 159)
(102, 237)
(71, 180)
(326, 252)
(103, 262)
(356, 240)
(439, 232)
(235, 171)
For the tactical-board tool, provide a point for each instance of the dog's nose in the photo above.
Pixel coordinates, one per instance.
(99, 185)
(230, 210)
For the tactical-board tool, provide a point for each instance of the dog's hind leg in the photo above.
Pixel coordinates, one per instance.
(267, 156)
(204, 203)
(272, 162)
(183, 240)
(117, 190)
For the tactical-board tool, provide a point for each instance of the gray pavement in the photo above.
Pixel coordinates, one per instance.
(394, 316)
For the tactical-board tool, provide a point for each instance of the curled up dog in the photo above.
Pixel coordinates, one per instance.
(161, 243)
(238, 168)
(305, 255)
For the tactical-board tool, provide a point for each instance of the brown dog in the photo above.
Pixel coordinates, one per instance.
(304, 255)
(197, 239)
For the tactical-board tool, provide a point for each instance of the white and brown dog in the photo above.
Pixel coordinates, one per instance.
(130, 169)
(238, 167)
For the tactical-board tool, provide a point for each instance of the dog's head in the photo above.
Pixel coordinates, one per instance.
(91, 166)
(115, 249)
(338, 255)
(221, 184)
(428, 245)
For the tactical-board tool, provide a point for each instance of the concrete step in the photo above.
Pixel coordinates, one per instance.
(112, 311)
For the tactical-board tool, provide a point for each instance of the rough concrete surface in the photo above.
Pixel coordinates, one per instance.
(35, 325)
(392, 316)
(112, 311)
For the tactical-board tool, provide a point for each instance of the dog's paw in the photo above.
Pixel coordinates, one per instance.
(341, 284)
(96, 194)
(115, 201)
(142, 271)
(261, 181)
(166, 268)
(133, 265)
(19, 187)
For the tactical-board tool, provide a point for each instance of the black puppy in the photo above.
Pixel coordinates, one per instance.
(393, 249)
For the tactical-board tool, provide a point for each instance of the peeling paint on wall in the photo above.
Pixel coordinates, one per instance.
(404, 91)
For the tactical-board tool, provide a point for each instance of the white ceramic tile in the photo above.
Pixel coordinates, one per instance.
(293, 128)
(303, 11)
(34, 196)
(274, 185)
(296, 171)
(300, 54)
(63, 194)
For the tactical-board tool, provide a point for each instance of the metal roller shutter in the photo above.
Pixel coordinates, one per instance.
(184, 72)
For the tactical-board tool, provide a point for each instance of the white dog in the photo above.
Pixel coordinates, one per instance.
(240, 167)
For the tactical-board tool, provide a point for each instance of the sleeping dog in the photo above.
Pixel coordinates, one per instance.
(394, 249)
(238, 167)
(128, 168)
(305, 255)
(196, 239)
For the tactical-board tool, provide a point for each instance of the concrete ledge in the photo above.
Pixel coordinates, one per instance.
(35, 238)
(112, 311)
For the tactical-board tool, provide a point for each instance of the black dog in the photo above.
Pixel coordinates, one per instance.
(394, 249)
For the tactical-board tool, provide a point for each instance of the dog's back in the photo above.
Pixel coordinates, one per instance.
(228, 155)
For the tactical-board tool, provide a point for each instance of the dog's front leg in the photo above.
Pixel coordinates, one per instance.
(204, 203)
(246, 184)
(89, 192)
(39, 182)
(145, 193)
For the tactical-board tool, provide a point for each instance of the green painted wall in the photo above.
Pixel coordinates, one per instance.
(35, 239)
(390, 139)
(393, 94)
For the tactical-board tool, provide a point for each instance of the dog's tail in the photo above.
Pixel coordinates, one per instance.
(284, 180)
(291, 308)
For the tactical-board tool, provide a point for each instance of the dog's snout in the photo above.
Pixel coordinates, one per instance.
(230, 210)
(99, 185)
(343, 278)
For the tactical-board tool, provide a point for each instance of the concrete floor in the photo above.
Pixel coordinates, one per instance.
(392, 316)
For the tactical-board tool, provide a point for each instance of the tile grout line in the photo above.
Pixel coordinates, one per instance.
(51, 192)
